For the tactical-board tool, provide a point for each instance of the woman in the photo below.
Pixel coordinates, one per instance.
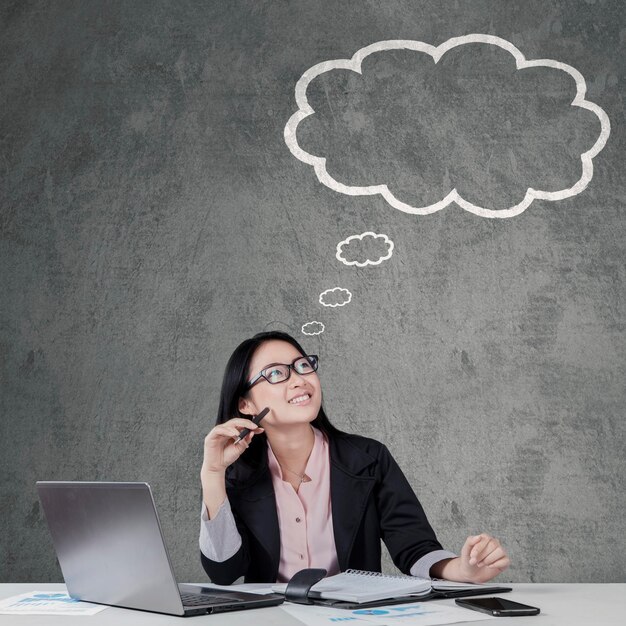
(298, 493)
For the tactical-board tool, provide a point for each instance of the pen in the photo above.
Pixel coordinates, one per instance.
(256, 419)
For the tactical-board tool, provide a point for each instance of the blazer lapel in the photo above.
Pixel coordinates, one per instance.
(256, 505)
(350, 489)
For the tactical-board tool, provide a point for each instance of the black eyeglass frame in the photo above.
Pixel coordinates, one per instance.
(289, 366)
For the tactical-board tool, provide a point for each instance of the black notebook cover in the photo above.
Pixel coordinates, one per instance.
(433, 595)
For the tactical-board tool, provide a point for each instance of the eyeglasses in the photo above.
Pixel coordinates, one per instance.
(280, 372)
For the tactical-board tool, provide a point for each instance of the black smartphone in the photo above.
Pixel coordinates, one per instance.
(500, 607)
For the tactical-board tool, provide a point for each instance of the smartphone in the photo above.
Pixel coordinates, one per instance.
(500, 607)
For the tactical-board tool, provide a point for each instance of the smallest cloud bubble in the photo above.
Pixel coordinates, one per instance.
(313, 328)
(335, 297)
(365, 249)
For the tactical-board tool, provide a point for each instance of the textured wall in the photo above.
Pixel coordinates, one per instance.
(152, 217)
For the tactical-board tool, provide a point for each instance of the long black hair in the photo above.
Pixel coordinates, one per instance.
(235, 386)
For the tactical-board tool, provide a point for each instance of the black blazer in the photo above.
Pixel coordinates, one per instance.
(370, 498)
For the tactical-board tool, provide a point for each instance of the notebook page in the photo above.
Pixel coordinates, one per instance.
(355, 586)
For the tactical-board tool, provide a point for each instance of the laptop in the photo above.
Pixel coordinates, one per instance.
(110, 547)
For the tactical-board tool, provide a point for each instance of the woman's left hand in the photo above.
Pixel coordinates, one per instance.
(482, 558)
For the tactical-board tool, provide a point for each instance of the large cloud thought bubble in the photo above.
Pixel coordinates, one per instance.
(470, 121)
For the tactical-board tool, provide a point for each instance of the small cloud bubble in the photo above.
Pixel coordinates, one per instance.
(313, 328)
(365, 249)
(335, 297)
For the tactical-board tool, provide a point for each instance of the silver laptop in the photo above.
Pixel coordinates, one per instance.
(110, 547)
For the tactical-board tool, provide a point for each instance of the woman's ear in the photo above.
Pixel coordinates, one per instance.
(247, 407)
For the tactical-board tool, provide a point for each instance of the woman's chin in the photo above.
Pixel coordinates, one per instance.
(297, 415)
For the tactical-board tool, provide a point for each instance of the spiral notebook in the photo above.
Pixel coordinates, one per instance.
(360, 587)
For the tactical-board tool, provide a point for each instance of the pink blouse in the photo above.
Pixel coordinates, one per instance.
(305, 517)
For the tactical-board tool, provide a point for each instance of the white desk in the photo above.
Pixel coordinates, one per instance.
(560, 604)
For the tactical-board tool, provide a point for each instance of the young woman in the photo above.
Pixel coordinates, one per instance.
(298, 493)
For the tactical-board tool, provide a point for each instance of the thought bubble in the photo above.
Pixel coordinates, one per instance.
(313, 328)
(365, 249)
(335, 297)
(469, 121)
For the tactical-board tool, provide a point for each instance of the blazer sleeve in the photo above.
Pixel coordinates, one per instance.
(228, 571)
(403, 523)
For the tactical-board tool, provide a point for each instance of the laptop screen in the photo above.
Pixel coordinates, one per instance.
(109, 544)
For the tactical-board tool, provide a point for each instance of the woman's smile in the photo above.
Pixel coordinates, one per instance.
(302, 399)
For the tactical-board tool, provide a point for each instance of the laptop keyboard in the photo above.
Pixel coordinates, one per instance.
(195, 599)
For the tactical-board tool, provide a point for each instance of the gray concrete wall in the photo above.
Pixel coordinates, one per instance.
(152, 217)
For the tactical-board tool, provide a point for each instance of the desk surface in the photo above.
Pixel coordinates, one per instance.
(560, 604)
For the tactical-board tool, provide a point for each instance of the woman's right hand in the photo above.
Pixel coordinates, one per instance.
(220, 450)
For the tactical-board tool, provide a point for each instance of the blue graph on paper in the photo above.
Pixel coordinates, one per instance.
(40, 598)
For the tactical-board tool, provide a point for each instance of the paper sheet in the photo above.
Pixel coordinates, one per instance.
(47, 603)
(261, 589)
(418, 614)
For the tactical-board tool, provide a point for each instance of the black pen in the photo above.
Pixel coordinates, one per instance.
(256, 419)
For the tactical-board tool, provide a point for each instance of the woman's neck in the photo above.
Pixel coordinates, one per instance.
(292, 446)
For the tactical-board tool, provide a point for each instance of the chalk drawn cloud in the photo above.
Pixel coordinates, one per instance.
(365, 249)
(313, 328)
(335, 297)
(424, 126)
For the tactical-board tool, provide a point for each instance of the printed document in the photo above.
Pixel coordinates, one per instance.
(47, 603)
(418, 614)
